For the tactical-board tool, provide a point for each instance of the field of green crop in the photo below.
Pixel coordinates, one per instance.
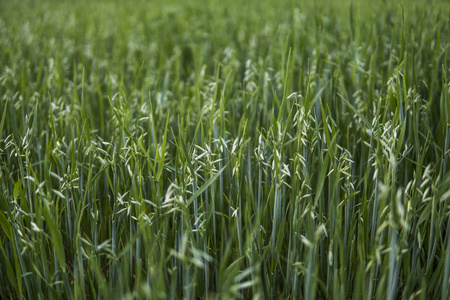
(212, 149)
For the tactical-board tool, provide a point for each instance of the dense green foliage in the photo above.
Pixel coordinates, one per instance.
(224, 149)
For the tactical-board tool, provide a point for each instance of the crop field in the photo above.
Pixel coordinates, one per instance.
(212, 149)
